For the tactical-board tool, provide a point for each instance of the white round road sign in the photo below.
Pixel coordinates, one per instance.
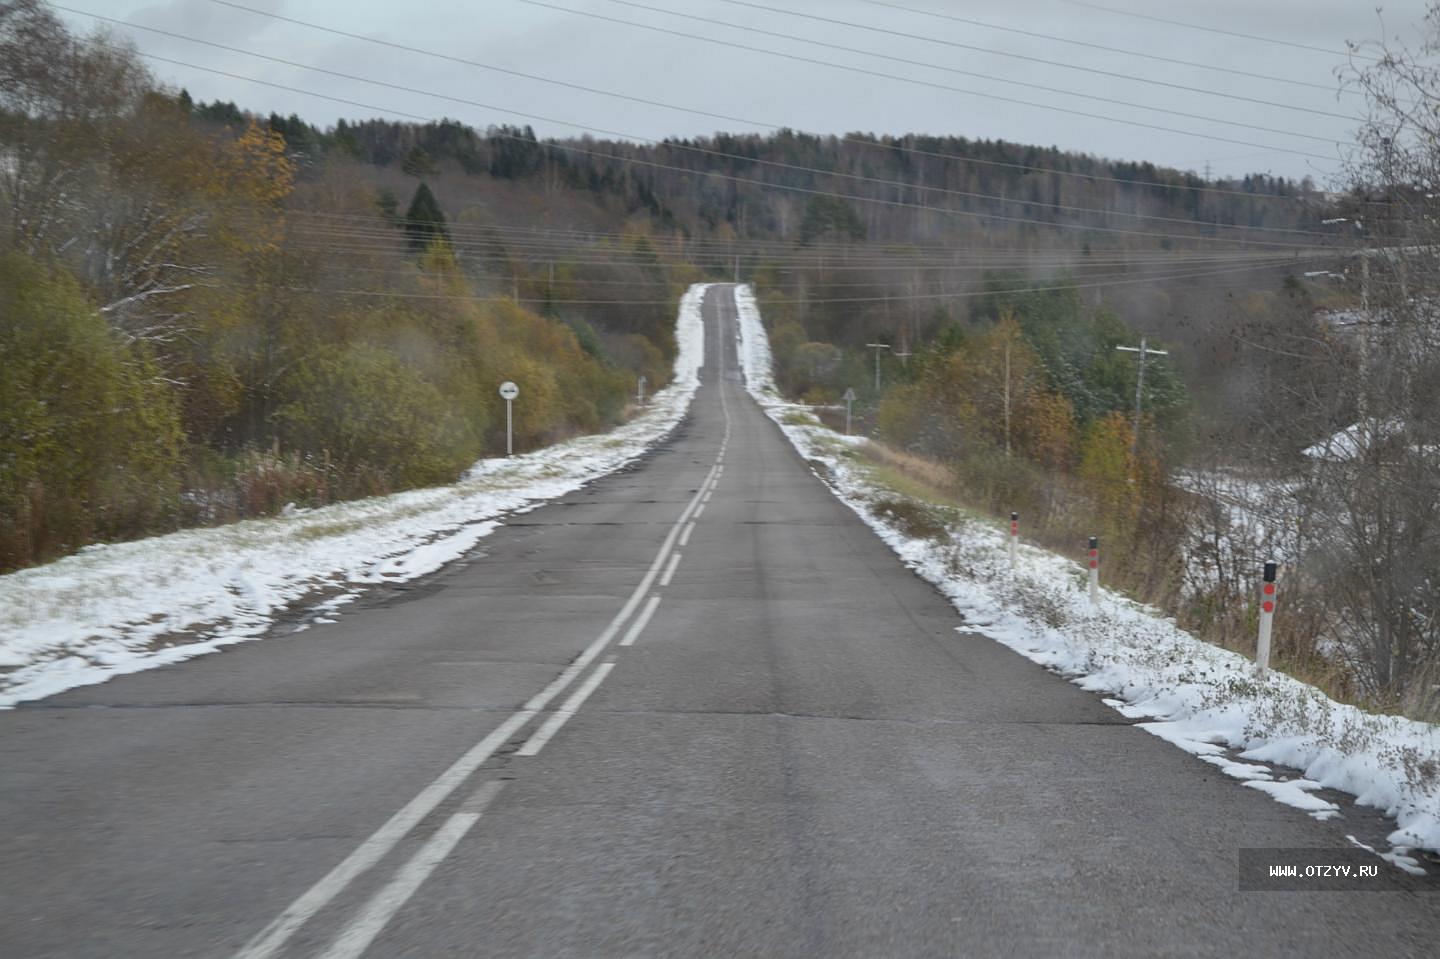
(509, 390)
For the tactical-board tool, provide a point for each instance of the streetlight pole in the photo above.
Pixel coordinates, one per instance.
(877, 347)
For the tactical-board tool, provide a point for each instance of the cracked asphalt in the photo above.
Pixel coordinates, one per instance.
(801, 754)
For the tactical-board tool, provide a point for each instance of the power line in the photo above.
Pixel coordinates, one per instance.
(480, 238)
(676, 145)
(1129, 53)
(1208, 29)
(889, 249)
(977, 49)
(383, 243)
(910, 80)
(879, 201)
(412, 269)
(390, 247)
(892, 145)
(851, 299)
(986, 76)
(899, 246)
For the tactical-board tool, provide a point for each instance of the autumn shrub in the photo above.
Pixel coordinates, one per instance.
(89, 433)
(377, 420)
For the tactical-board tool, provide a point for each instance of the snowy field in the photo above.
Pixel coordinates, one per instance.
(1203, 699)
(124, 607)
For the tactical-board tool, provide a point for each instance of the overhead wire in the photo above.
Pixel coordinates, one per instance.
(956, 44)
(1159, 58)
(946, 253)
(683, 146)
(484, 238)
(651, 164)
(850, 68)
(393, 294)
(889, 145)
(750, 28)
(1220, 30)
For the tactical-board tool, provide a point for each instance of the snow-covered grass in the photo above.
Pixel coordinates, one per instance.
(1204, 699)
(124, 607)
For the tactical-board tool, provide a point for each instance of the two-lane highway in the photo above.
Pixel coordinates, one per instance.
(694, 709)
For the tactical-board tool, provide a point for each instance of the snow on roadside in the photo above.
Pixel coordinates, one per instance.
(1204, 699)
(124, 607)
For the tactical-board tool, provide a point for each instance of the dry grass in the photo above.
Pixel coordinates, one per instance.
(932, 476)
(931, 483)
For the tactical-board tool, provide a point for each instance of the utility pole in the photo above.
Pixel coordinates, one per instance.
(1007, 394)
(1143, 351)
(877, 347)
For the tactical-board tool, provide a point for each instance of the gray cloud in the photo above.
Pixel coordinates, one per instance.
(807, 96)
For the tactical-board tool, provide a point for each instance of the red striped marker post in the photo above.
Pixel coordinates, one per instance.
(1094, 572)
(1267, 618)
(1014, 537)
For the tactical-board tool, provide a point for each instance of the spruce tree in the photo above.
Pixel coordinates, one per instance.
(424, 222)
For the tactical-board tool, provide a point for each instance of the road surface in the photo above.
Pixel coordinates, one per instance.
(694, 709)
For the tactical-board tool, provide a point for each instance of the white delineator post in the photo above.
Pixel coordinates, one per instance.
(849, 402)
(1267, 618)
(508, 392)
(640, 391)
(1014, 537)
(1094, 572)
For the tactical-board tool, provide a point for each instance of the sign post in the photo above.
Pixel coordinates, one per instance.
(849, 402)
(1267, 618)
(508, 392)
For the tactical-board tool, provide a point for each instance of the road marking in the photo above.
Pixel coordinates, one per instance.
(378, 912)
(685, 536)
(372, 850)
(562, 715)
(641, 621)
(670, 570)
(273, 937)
(270, 939)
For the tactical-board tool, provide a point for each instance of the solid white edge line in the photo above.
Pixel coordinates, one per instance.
(372, 850)
(382, 907)
(685, 536)
(641, 621)
(561, 716)
(670, 570)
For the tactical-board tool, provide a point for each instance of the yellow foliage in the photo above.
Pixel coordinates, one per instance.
(252, 177)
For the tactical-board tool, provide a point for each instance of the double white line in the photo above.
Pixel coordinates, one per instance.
(358, 935)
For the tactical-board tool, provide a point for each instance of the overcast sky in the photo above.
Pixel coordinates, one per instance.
(769, 89)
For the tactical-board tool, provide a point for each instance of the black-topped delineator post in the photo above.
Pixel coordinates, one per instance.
(1267, 617)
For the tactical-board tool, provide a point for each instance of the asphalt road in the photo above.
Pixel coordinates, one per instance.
(793, 752)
